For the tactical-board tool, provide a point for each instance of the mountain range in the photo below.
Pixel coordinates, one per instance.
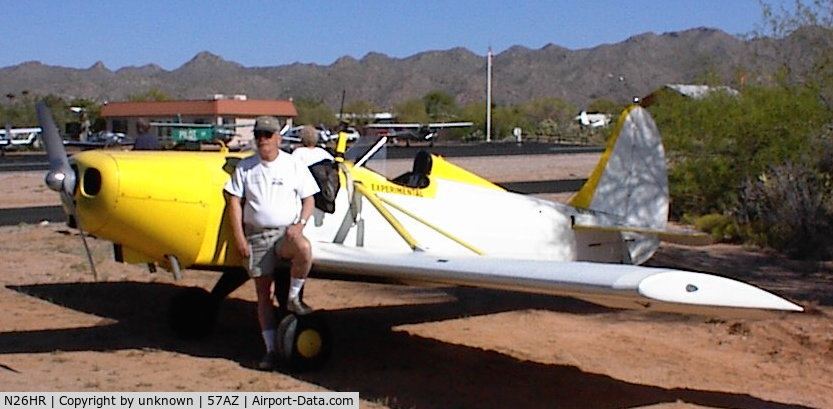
(618, 72)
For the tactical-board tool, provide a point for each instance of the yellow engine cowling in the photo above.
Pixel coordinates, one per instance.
(156, 204)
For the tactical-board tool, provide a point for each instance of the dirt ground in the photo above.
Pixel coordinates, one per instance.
(413, 347)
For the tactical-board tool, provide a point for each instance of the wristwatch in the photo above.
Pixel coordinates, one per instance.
(302, 221)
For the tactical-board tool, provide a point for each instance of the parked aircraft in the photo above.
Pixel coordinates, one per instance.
(15, 138)
(415, 132)
(103, 139)
(593, 120)
(435, 224)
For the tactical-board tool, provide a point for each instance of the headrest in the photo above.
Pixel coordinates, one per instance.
(422, 162)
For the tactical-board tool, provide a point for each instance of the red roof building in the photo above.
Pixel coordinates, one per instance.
(238, 111)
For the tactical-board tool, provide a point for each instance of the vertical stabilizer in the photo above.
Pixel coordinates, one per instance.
(630, 182)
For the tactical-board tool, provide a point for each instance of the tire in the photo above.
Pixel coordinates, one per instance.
(303, 342)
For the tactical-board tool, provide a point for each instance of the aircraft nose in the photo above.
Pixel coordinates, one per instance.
(97, 193)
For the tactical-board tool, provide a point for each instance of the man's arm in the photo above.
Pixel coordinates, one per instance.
(235, 210)
(307, 207)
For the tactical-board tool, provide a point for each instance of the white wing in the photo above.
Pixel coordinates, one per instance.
(618, 285)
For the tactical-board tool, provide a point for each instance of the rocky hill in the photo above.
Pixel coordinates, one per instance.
(634, 67)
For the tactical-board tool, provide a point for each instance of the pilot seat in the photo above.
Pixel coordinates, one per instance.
(418, 176)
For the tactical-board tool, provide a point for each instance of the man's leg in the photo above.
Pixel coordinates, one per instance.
(299, 252)
(266, 319)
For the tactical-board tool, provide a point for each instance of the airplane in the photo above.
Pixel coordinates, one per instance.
(593, 120)
(16, 138)
(103, 139)
(415, 131)
(437, 224)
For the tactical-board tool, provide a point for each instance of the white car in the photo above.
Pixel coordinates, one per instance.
(293, 135)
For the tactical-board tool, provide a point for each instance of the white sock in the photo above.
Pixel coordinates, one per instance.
(269, 339)
(295, 286)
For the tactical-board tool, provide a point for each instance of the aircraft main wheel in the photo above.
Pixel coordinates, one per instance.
(193, 313)
(303, 342)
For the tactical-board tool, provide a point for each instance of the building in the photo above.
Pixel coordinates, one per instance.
(237, 111)
(686, 91)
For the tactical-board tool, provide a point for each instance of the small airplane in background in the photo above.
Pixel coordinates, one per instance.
(103, 139)
(436, 224)
(593, 120)
(16, 138)
(414, 132)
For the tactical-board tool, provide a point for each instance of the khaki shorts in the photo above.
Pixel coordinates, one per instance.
(264, 245)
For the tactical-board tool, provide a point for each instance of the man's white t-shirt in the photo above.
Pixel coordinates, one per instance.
(311, 155)
(273, 190)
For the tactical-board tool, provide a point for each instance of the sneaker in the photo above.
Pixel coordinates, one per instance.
(269, 362)
(298, 307)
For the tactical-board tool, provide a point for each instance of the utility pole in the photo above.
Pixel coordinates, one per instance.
(489, 95)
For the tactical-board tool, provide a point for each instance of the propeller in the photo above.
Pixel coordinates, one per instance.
(61, 177)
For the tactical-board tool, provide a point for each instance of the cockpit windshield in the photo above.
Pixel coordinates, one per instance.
(369, 152)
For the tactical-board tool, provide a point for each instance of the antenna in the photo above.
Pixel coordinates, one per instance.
(341, 144)
(341, 109)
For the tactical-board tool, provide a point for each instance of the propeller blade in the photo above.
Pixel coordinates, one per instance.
(61, 177)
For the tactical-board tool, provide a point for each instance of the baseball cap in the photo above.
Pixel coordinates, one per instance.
(266, 124)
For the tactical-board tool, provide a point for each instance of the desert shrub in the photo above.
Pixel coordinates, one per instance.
(722, 228)
(716, 143)
(789, 208)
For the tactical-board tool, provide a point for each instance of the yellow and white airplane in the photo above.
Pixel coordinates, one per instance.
(436, 224)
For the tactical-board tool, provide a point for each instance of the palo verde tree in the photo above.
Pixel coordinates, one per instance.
(149, 95)
(361, 111)
(311, 112)
(440, 106)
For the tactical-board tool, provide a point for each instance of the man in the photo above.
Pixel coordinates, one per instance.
(145, 141)
(309, 153)
(268, 228)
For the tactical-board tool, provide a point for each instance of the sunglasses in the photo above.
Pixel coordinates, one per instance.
(264, 134)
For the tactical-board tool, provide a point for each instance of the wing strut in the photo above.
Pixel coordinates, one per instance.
(380, 207)
(433, 227)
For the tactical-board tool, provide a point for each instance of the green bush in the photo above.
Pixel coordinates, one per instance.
(717, 143)
(721, 227)
(758, 166)
(789, 208)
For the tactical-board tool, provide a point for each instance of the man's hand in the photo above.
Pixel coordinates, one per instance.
(243, 247)
(294, 231)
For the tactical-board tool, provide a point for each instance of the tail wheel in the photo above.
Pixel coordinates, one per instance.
(303, 342)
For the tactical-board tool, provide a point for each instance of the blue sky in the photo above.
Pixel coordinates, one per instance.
(253, 33)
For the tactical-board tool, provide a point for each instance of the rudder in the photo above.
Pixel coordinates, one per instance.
(630, 182)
